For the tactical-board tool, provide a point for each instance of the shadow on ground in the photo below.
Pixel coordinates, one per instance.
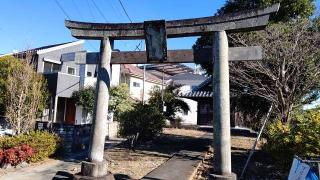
(171, 144)
(261, 165)
(62, 175)
(121, 176)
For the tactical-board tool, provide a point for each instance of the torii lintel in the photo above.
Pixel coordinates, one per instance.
(245, 21)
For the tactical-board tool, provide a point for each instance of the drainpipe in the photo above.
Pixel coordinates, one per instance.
(162, 89)
(144, 80)
(55, 108)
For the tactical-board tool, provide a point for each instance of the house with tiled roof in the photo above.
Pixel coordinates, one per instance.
(133, 76)
(187, 79)
(203, 94)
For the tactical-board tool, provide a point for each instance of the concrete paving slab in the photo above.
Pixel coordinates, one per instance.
(181, 166)
(49, 170)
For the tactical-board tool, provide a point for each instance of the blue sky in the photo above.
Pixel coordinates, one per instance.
(27, 24)
(32, 23)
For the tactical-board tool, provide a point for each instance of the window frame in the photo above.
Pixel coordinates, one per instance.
(51, 67)
(90, 74)
(136, 83)
(74, 70)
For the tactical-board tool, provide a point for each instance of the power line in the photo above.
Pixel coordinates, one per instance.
(125, 11)
(66, 14)
(115, 10)
(82, 17)
(100, 12)
(138, 46)
(61, 8)
(77, 9)
(90, 10)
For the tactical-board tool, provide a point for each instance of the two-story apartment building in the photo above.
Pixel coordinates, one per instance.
(62, 78)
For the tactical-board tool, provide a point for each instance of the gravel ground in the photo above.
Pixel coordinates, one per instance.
(184, 132)
(124, 163)
(261, 165)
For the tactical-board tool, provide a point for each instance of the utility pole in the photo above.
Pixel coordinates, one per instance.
(162, 89)
(144, 80)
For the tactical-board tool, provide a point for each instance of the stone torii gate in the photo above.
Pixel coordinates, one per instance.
(155, 34)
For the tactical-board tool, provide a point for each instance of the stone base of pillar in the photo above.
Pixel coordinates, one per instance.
(231, 176)
(93, 171)
(105, 177)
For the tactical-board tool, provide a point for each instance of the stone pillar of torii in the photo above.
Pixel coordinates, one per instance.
(155, 34)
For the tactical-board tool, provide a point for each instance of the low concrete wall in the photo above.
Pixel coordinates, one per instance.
(76, 138)
(113, 128)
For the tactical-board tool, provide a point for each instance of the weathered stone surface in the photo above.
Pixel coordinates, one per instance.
(231, 176)
(94, 169)
(181, 166)
(99, 122)
(109, 176)
(174, 56)
(221, 104)
(156, 40)
(242, 21)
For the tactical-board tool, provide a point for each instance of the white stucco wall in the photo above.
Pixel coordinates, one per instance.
(115, 75)
(191, 117)
(137, 92)
(89, 81)
(84, 79)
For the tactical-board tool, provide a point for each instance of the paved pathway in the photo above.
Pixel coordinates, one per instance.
(183, 165)
(180, 167)
(51, 169)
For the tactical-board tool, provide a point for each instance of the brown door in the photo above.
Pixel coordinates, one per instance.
(70, 111)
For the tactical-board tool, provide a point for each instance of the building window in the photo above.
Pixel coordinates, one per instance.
(71, 70)
(89, 74)
(49, 67)
(135, 84)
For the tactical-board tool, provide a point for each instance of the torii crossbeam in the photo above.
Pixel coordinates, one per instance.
(174, 56)
(155, 34)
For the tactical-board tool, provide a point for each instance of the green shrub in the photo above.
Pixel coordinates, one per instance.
(120, 100)
(299, 137)
(43, 143)
(143, 119)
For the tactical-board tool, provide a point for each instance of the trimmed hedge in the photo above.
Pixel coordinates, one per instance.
(43, 144)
